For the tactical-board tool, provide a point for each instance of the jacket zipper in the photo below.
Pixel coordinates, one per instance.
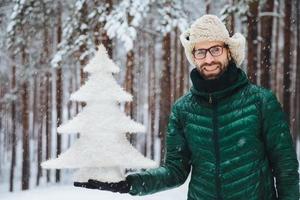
(217, 147)
(209, 99)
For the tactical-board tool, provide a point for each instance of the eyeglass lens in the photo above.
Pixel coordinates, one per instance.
(214, 51)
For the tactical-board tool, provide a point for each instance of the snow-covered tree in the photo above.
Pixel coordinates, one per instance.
(102, 152)
(125, 18)
(171, 15)
(76, 37)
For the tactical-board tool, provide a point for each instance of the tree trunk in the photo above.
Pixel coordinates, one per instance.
(231, 21)
(297, 96)
(45, 99)
(59, 92)
(152, 96)
(25, 147)
(287, 59)
(69, 105)
(13, 132)
(175, 67)
(187, 76)
(34, 103)
(59, 98)
(252, 40)
(182, 71)
(165, 93)
(266, 44)
(129, 87)
(207, 6)
(40, 130)
(48, 109)
(276, 57)
(106, 41)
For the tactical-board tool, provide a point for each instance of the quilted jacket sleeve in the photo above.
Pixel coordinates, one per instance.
(176, 168)
(280, 149)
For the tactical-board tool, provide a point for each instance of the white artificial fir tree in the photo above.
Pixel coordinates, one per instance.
(102, 152)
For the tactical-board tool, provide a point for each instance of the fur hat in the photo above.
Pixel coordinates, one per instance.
(211, 28)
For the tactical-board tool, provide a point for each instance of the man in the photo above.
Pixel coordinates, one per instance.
(233, 134)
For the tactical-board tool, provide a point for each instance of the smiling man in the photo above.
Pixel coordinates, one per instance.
(213, 64)
(232, 135)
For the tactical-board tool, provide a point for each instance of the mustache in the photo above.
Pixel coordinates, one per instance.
(210, 64)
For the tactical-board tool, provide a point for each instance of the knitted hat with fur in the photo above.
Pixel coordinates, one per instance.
(211, 28)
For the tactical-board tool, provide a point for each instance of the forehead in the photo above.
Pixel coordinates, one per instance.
(207, 44)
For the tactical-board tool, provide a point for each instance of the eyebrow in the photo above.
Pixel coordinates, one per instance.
(221, 44)
(208, 47)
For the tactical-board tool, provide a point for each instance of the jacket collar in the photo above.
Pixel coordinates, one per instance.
(213, 90)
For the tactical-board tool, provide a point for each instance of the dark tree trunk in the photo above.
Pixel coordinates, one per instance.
(48, 108)
(34, 107)
(13, 132)
(25, 125)
(83, 47)
(182, 71)
(129, 79)
(40, 130)
(59, 96)
(25, 147)
(43, 104)
(59, 92)
(297, 96)
(229, 21)
(252, 40)
(106, 41)
(165, 93)
(207, 6)
(266, 44)
(287, 59)
(129, 87)
(175, 81)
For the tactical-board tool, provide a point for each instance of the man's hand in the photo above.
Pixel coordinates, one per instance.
(121, 187)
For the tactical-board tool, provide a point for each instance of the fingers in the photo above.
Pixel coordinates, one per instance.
(85, 185)
(94, 182)
(80, 184)
(121, 187)
(113, 187)
(100, 185)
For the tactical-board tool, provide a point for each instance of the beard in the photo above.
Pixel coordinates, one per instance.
(212, 73)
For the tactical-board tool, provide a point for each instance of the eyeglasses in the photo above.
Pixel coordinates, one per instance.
(215, 51)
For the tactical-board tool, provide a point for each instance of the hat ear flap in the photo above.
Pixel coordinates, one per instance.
(185, 37)
(188, 46)
(236, 46)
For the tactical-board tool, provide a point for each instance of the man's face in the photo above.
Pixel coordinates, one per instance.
(211, 58)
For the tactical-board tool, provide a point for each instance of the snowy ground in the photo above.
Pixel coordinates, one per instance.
(63, 192)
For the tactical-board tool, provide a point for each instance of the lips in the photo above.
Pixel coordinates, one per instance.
(210, 68)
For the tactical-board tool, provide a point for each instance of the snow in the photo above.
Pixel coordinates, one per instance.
(172, 15)
(106, 122)
(119, 25)
(64, 192)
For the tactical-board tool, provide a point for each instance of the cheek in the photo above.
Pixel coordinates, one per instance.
(198, 63)
(224, 61)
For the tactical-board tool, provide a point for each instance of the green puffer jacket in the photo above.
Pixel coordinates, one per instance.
(236, 141)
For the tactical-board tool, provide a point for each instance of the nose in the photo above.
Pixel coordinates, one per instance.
(209, 58)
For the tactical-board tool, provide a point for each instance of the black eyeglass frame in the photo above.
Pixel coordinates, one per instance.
(208, 50)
